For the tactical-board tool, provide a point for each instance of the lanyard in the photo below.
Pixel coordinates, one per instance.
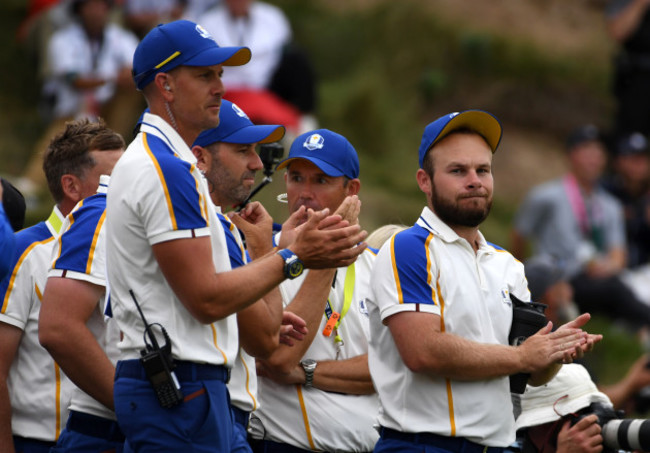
(334, 319)
(588, 217)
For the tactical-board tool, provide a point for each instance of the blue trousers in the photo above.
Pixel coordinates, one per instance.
(203, 422)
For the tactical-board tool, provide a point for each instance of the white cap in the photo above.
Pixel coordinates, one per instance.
(569, 391)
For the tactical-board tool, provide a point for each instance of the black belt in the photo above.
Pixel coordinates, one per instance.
(241, 416)
(268, 446)
(185, 371)
(436, 440)
(94, 426)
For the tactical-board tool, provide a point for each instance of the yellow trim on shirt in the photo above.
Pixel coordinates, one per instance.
(57, 374)
(305, 417)
(202, 202)
(429, 276)
(248, 379)
(19, 263)
(93, 245)
(214, 340)
(168, 198)
(400, 296)
(450, 394)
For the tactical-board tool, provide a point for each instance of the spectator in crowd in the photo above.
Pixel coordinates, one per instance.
(174, 261)
(71, 323)
(548, 413)
(89, 65)
(581, 225)
(548, 284)
(7, 240)
(34, 393)
(628, 23)
(227, 157)
(630, 184)
(12, 217)
(440, 308)
(277, 86)
(318, 394)
(140, 16)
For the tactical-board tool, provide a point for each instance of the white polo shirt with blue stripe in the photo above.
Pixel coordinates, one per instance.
(315, 419)
(243, 377)
(80, 254)
(39, 391)
(428, 268)
(157, 194)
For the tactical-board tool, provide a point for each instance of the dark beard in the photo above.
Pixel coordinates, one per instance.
(452, 214)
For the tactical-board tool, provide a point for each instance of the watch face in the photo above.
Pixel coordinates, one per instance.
(295, 269)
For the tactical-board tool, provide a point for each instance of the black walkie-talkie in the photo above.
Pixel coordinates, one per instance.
(159, 365)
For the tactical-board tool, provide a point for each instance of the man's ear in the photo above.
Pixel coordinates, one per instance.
(424, 181)
(353, 187)
(71, 186)
(165, 86)
(203, 157)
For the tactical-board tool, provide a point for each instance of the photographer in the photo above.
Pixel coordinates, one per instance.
(569, 414)
(545, 423)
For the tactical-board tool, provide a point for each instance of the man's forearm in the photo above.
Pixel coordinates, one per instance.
(6, 437)
(351, 376)
(84, 361)
(309, 304)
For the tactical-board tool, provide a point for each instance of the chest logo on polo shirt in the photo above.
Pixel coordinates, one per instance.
(363, 307)
(505, 297)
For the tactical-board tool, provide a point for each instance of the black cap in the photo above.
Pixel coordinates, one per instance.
(542, 272)
(634, 143)
(582, 134)
(13, 203)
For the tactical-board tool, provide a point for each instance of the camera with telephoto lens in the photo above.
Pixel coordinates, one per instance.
(270, 155)
(527, 319)
(618, 433)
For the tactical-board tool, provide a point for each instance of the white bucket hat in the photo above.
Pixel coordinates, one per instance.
(569, 391)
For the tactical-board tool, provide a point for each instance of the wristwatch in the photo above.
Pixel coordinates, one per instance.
(309, 365)
(293, 267)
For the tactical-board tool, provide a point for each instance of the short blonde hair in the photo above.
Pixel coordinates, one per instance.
(377, 238)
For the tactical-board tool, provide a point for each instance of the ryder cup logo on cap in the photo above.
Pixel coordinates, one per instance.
(479, 121)
(314, 141)
(236, 127)
(335, 156)
(239, 111)
(177, 43)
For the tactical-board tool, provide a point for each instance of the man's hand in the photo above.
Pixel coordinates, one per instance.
(327, 241)
(293, 328)
(257, 225)
(545, 348)
(591, 339)
(295, 376)
(291, 227)
(583, 437)
(349, 209)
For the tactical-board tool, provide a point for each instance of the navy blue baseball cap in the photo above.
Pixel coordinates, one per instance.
(181, 43)
(236, 127)
(484, 123)
(329, 151)
(632, 144)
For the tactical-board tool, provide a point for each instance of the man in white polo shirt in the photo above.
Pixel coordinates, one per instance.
(34, 392)
(168, 252)
(440, 308)
(318, 395)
